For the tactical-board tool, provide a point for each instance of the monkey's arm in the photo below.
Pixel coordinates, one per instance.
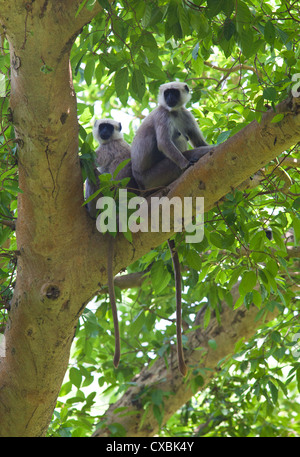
(165, 143)
(192, 129)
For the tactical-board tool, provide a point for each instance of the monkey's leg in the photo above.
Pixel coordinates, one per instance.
(195, 154)
(160, 174)
(112, 298)
(177, 275)
(165, 171)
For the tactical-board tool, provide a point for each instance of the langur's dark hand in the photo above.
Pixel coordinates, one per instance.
(193, 161)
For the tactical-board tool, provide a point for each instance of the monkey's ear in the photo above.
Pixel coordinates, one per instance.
(120, 126)
(187, 88)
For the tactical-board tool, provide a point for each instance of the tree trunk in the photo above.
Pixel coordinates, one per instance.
(50, 292)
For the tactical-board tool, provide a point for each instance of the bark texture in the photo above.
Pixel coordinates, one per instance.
(49, 293)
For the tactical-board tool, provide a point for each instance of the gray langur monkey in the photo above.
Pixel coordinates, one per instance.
(111, 152)
(159, 149)
(159, 155)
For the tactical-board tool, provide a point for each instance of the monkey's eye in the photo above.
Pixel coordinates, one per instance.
(187, 88)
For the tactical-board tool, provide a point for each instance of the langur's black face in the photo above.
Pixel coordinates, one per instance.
(105, 131)
(172, 97)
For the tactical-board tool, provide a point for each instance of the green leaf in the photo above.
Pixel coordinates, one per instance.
(277, 118)
(137, 324)
(120, 167)
(228, 6)
(212, 344)
(229, 28)
(157, 397)
(276, 337)
(216, 239)
(105, 4)
(214, 7)
(199, 23)
(89, 71)
(264, 280)
(284, 37)
(274, 392)
(184, 20)
(248, 299)
(160, 276)
(271, 280)
(247, 283)
(80, 7)
(121, 81)
(243, 14)
(65, 388)
(246, 40)
(193, 259)
(207, 315)
(256, 297)
(117, 430)
(158, 414)
(270, 93)
(138, 84)
(272, 267)
(147, 15)
(195, 51)
(75, 377)
(269, 32)
(222, 240)
(148, 42)
(153, 70)
(298, 379)
(296, 204)
(90, 5)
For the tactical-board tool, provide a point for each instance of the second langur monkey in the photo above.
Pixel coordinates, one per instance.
(111, 152)
(159, 155)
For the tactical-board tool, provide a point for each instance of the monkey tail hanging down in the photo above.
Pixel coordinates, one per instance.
(159, 154)
(112, 151)
(177, 276)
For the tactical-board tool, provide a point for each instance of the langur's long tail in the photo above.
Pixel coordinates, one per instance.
(112, 298)
(177, 275)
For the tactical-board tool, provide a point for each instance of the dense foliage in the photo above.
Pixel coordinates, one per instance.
(239, 58)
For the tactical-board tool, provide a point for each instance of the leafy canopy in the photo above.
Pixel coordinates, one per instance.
(239, 58)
